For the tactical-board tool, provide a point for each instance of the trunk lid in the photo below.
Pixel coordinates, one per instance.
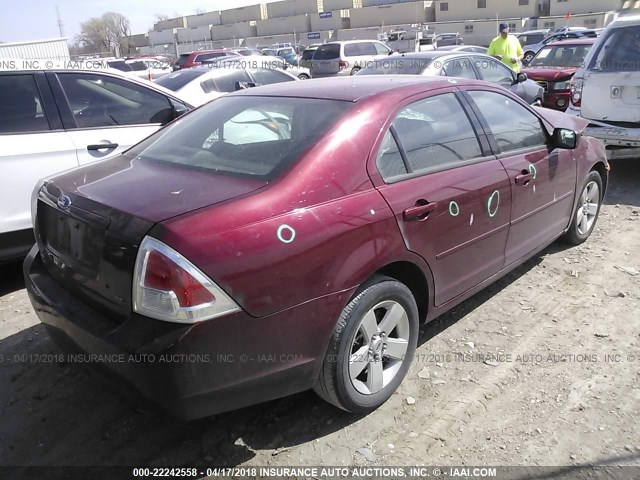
(611, 96)
(90, 221)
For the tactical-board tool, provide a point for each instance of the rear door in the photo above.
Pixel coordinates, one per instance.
(32, 144)
(542, 182)
(450, 196)
(104, 115)
(611, 84)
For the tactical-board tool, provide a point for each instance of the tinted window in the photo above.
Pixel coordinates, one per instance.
(327, 51)
(175, 81)
(99, 101)
(435, 133)
(225, 81)
(459, 67)
(307, 54)
(359, 49)
(389, 160)
(207, 56)
(493, 71)
(513, 126)
(232, 134)
(182, 59)
(120, 65)
(137, 66)
(381, 49)
(20, 105)
(266, 76)
(619, 50)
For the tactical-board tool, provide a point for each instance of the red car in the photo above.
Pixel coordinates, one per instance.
(294, 236)
(554, 65)
(195, 59)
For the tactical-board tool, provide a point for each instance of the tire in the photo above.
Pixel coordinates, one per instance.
(354, 70)
(303, 76)
(528, 56)
(357, 348)
(582, 225)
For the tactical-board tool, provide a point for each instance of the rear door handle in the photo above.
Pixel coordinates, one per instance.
(420, 211)
(524, 178)
(102, 146)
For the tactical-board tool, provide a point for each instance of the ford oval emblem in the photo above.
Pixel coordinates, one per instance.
(64, 202)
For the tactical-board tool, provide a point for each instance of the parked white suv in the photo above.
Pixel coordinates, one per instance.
(55, 120)
(346, 58)
(606, 89)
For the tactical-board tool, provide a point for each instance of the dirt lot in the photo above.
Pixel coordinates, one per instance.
(562, 386)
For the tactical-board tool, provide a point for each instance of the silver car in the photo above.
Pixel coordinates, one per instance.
(462, 65)
(346, 58)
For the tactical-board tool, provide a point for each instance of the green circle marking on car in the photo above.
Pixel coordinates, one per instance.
(290, 237)
(532, 169)
(454, 209)
(490, 209)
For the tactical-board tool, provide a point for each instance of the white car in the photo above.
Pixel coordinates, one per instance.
(54, 120)
(606, 89)
(200, 85)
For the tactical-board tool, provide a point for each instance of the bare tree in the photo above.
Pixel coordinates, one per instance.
(110, 32)
(161, 16)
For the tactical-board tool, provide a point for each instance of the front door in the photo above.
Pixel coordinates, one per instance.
(109, 114)
(543, 182)
(451, 200)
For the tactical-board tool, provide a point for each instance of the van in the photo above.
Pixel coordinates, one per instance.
(346, 58)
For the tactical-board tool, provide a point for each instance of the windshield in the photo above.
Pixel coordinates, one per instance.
(561, 56)
(403, 66)
(175, 81)
(308, 54)
(327, 52)
(243, 135)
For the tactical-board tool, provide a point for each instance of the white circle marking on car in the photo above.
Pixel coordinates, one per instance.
(292, 233)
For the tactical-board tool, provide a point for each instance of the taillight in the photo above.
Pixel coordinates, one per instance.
(575, 88)
(166, 286)
(342, 64)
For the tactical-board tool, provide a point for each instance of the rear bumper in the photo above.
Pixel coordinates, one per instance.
(191, 371)
(621, 142)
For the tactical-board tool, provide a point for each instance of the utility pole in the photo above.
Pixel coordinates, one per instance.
(60, 24)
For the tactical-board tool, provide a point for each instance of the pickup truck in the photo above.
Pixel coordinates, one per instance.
(54, 120)
(606, 89)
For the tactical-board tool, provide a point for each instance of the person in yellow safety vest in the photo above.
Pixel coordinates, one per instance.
(507, 48)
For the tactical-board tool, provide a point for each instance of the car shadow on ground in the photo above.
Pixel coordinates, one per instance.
(11, 278)
(624, 183)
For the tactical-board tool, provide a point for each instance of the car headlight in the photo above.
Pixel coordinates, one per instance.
(559, 85)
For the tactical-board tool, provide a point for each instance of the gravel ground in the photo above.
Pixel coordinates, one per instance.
(542, 368)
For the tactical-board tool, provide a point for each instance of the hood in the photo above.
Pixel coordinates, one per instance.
(152, 191)
(549, 74)
(559, 119)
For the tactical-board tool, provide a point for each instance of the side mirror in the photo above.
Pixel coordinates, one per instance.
(565, 138)
(179, 109)
(521, 77)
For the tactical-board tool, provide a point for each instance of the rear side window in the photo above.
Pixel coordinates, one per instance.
(618, 51)
(360, 49)
(327, 51)
(226, 82)
(513, 126)
(20, 105)
(435, 133)
(207, 56)
(102, 101)
(175, 81)
(231, 135)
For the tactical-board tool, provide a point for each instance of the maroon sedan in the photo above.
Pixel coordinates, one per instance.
(295, 236)
(554, 65)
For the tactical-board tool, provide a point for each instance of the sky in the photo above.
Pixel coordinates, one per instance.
(36, 19)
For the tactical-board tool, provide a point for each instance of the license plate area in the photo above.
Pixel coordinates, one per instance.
(73, 244)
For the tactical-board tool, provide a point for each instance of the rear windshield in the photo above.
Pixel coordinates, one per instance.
(402, 66)
(561, 56)
(137, 66)
(175, 81)
(327, 52)
(243, 135)
(120, 65)
(618, 50)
